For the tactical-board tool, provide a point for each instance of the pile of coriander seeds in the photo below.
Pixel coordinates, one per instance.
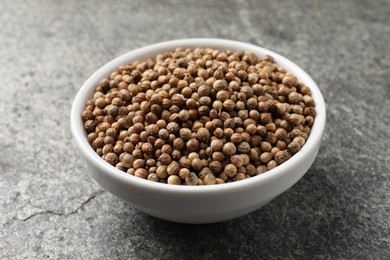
(199, 116)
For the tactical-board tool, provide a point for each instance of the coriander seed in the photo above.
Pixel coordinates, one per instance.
(174, 179)
(236, 138)
(216, 145)
(282, 156)
(237, 160)
(203, 134)
(209, 179)
(191, 179)
(199, 116)
(111, 158)
(229, 149)
(162, 171)
(173, 168)
(153, 177)
(141, 173)
(230, 170)
(196, 164)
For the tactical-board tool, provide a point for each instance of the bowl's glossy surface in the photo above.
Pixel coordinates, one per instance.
(197, 204)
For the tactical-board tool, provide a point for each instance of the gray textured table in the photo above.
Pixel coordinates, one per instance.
(50, 208)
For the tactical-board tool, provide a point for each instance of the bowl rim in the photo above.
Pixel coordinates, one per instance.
(82, 143)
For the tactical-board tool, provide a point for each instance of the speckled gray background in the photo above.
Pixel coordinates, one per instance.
(50, 208)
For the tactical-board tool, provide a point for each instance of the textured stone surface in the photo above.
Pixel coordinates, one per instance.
(49, 207)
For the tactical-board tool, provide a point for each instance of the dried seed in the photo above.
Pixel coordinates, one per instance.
(111, 158)
(196, 164)
(203, 134)
(192, 145)
(162, 171)
(282, 156)
(223, 95)
(216, 166)
(141, 173)
(173, 168)
(230, 170)
(204, 90)
(220, 84)
(237, 160)
(191, 179)
(265, 157)
(165, 159)
(216, 144)
(218, 156)
(229, 149)
(174, 180)
(236, 138)
(250, 170)
(290, 81)
(153, 177)
(209, 179)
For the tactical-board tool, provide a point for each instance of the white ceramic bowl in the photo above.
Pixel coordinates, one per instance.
(197, 204)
